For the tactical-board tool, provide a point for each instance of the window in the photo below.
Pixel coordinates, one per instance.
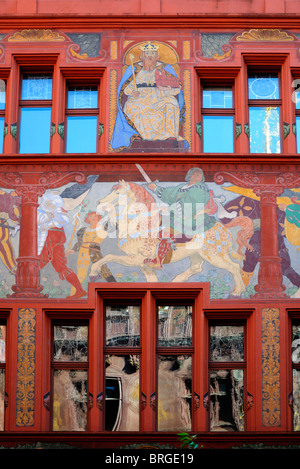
(35, 113)
(81, 119)
(295, 352)
(147, 355)
(174, 367)
(218, 119)
(227, 376)
(2, 112)
(2, 373)
(70, 377)
(122, 367)
(264, 112)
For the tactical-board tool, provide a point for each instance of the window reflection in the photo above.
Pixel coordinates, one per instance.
(70, 400)
(2, 344)
(2, 398)
(264, 130)
(217, 97)
(70, 343)
(296, 400)
(82, 97)
(263, 86)
(37, 87)
(174, 326)
(227, 343)
(174, 393)
(226, 400)
(123, 325)
(122, 393)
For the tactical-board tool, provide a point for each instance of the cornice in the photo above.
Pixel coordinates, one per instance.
(109, 21)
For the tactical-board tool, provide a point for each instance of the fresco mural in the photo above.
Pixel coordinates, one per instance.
(9, 238)
(130, 231)
(151, 104)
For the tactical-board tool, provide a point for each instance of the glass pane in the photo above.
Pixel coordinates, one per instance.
(1, 133)
(2, 94)
(35, 130)
(218, 134)
(122, 393)
(296, 400)
(81, 134)
(217, 98)
(174, 393)
(263, 86)
(70, 400)
(264, 130)
(174, 326)
(2, 344)
(70, 343)
(37, 87)
(123, 326)
(296, 343)
(227, 343)
(82, 97)
(297, 99)
(226, 400)
(298, 133)
(2, 398)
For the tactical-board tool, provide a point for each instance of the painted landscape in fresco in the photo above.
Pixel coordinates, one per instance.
(125, 231)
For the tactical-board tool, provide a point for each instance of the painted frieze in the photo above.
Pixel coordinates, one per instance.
(199, 226)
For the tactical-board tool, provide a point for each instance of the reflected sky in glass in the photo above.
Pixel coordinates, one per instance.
(218, 134)
(217, 98)
(35, 130)
(82, 98)
(81, 134)
(264, 130)
(2, 94)
(297, 95)
(263, 86)
(1, 133)
(37, 87)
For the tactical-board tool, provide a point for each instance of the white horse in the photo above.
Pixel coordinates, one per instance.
(133, 209)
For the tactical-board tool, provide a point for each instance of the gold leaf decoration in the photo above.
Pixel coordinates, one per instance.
(36, 35)
(265, 35)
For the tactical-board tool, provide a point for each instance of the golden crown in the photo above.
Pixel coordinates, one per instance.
(149, 47)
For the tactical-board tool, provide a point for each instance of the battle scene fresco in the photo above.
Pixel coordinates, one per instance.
(194, 230)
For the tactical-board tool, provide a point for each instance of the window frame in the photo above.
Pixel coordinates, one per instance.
(80, 76)
(68, 365)
(229, 365)
(218, 112)
(121, 351)
(82, 112)
(264, 103)
(217, 76)
(174, 351)
(34, 103)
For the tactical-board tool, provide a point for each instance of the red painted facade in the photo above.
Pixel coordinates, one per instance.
(207, 43)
